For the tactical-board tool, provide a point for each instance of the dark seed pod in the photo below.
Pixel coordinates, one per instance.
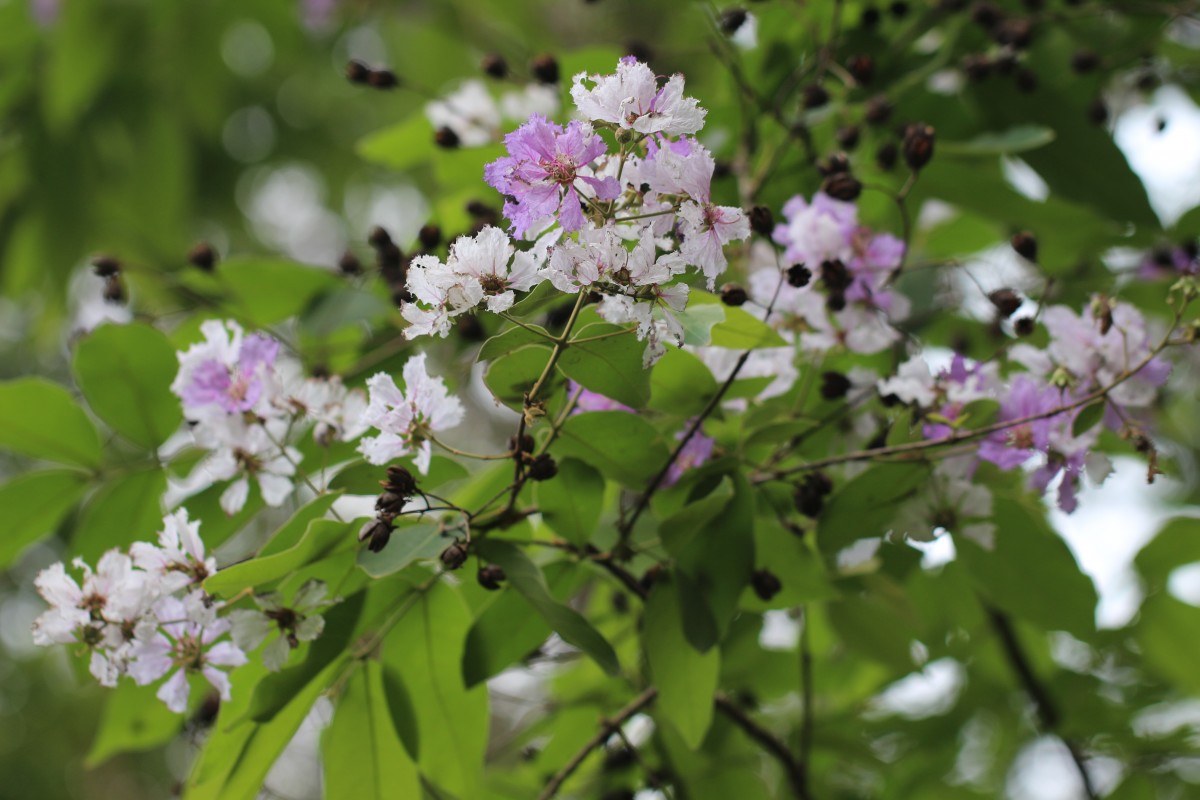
(842, 186)
(543, 468)
(430, 236)
(544, 68)
(383, 79)
(762, 221)
(733, 295)
(899, 9)
(1016, 33)
(833, 164)
(358, 72)
(490, 577)
(836, 299)
(527, 443)
(1084, 61)
(1097, 112)
(814, 95)
(494, 65)
(834, 385)
(886, 156)
(377, 237)
(400, 481)
(862, 67)
(105, 266)
(835, 275)
(114, 290)
(1006, 302)
(1025, 243)
(349, 264)
(376, 533)
(976, 66)
(766, 584)
(1023, 326)
(877, 110)
(810, 494)
(454, 556)
(985, 14)
(732, 19)
(799, 275)
(446, 138)
(847, 136)
(203, 256)
(918, 145)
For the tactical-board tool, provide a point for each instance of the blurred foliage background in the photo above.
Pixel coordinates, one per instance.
(137, 128)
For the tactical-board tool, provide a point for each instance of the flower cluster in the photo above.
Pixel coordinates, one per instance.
(143, 614)
(624, 223)
(243, 401)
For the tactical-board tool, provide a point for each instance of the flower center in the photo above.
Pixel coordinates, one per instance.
(1021, 438)
(560, 170)
(492, 284)
(188, 652)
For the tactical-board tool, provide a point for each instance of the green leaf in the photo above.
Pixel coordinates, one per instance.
(41, 419)
(685, 678)
(506, 632)
(739, 329)
(1031, 573)
(623, 446)
(507, 341)
(322, 538)
(362, 755)
(1088, 418)
(1166, 630)
(400, 708)
(267, 291)
(680, 383)
(880, 623)
(125, 510)
(612, 366)
(571, 502)
(293, 530)
(698, 321)
(125, 374)
(426, 650)
(863, 507)
(34, 505)
(133, 719)
(402, 146)
(1178, 543)
(409, 543)
(511, 375)
(524, 576)
(1016, 139)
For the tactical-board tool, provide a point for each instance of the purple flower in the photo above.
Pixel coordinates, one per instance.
(1012, 447)
(224, 373)
(541, 173)
(696, 452)
(593, 401)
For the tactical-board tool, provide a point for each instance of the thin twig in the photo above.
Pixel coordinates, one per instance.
(792, 768)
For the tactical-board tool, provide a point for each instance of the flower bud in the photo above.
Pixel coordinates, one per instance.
(814, 95)
(376, 533)
(834, 385)
(490, 577)
(544, 68)
(1026, 245)
(400, 481)
(799, 275)
(454, 556)
(357, 72)
(430, 236)
(105, 266)
(766, 584)
(918, 145)
(877, 110)
(445, 138)
(833, 164)
(543, 468)
(762, 221)
(842, 186)
(378, 237)
(202, 256)
(382, 79)
(1006, 302)
(733, 295)
(349, 264)
(494, 65)
(1023, 326)
(390, 503)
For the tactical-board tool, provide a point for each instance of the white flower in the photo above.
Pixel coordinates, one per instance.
(706, 228)
(179, 560)
(535, 98)
(406, 419)
(296, 623)
(949, 502)
(601, 254)
(469, 111)
(248, 449)
(912, 383)
(189, 628)
(334, 410)
(114, 593)
(633, 100)
(228, 373)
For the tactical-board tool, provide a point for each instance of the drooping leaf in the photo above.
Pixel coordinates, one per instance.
(1016, 139)
(320, 539)
(863, 507)
(125, 374)
(685, 678)
(680, 383)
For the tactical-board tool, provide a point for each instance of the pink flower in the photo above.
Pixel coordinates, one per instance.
(224, 374)
(407, 419)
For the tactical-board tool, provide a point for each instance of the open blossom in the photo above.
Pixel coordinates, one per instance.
(469, 111)
(632, 99)
(545, 172)
(333, 409)
(296, 622)
(480, 269)
(949, 501)
(655, 317)
(406, 419)
(241, 451)
(696, 452)
(186, 642)
(178, 561)
(601, 255)
(227, 372)
(111, 595)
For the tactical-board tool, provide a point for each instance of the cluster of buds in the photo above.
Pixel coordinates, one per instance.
(381, 78)
(398, 489)
(109, 269)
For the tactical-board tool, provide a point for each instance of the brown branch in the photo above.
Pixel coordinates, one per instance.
(607, 727)
(796, 771)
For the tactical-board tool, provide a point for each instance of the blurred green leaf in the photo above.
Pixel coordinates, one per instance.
(321, 538)
(1016, 139)
(125, 509)
(611, 366)
(685, 677)
(40, 419)
(571, 502)
(623, 446)
(34, 505)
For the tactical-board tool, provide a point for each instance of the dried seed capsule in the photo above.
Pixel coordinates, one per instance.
(454, 556)
(842, 186)
(918, 145)
(1006, 302)
(494, 65)
(545, 68)
(490, 576)
(1025, 243)
(762, 221)
(733, 295)
(766, 584)
(799, 275)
